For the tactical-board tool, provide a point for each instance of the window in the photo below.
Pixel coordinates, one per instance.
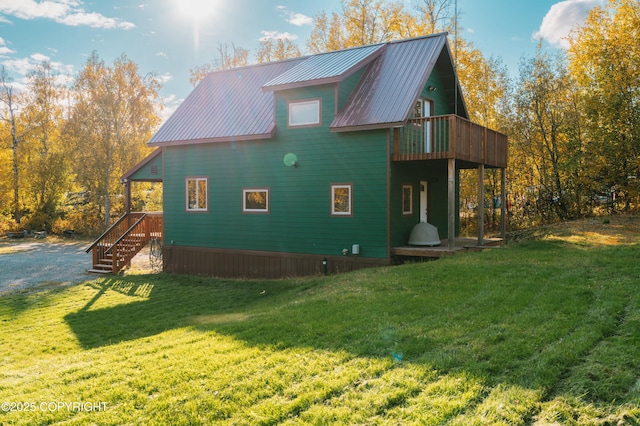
(196, 194)
(255, 200)
(407, 199)
(341, 200)
(304, 113)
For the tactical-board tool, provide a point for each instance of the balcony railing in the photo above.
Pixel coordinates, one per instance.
(449, 136)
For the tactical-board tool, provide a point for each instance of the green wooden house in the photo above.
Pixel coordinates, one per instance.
(316, 164)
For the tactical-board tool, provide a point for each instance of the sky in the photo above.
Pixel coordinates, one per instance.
(170, 37)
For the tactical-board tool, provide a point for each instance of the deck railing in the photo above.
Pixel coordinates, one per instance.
(125, 238)
(449, 136)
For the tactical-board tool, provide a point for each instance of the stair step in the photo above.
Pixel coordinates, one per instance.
(98, 271)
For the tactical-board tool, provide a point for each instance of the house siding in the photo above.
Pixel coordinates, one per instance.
(299, 220)
(151, 171)
(432, 171)
(411, 173)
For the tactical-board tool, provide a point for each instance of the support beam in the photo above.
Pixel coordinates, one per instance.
(127, 195)
(451, 203)
(480, 204)
(503, 204)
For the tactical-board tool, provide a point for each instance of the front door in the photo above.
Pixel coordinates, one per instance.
(423, 201)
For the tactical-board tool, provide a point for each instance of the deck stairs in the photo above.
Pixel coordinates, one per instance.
(115, 248)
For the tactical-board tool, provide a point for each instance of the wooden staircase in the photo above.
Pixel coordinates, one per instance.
(115, 248)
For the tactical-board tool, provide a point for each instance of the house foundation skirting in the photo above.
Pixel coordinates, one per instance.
(258, 264)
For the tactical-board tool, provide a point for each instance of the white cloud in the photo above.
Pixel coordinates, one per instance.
(22, 66)
(562, 18)
(19, 66)
(163, 78)
(67, 12)
(4, 50)
(169, 105)
(297, 19)
(39, 57)
(276, 35)
(162, 54)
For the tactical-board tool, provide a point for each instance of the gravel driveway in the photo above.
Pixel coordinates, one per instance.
(34, 263)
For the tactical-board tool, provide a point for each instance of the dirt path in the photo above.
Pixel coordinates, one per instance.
(29, 264)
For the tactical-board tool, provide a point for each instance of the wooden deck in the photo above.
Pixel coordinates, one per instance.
(449, 137)
(461, 245)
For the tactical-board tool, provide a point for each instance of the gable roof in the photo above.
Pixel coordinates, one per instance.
(330, 67)
(239, 104)
(226, 105)
(388, 91)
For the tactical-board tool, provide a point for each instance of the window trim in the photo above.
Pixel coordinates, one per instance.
(335, 213)
(186, 194)
(267, 210)
(410, 211)
(318, 122)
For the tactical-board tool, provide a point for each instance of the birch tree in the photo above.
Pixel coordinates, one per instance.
(9, 102)
(604, 57)
(45, 153)
(111, 120)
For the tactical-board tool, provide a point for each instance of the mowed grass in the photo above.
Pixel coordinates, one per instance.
(546, 331)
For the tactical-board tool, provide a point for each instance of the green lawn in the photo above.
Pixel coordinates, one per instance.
(545, 331)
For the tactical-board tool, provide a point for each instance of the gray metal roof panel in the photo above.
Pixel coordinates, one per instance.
(225, 105)
(389, 88)
(325, 67)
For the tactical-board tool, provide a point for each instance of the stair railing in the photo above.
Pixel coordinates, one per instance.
(125, 238)
(104, 241)
(129, 244)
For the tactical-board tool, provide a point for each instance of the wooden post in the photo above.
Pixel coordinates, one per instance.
(127, 195)
(480, 204)
(503, 204)
(451, 198)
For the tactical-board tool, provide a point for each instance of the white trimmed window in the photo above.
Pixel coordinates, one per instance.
(304, 113)
(341, 200)
(196, 194)
(407, 199)
(255, 200)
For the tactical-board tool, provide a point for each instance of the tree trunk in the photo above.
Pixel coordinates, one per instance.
(17, 214)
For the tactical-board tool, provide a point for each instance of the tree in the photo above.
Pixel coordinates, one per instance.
(46, 154)
(277, 50)
(239, 57)
(605, 61)
(16, 132)
(112, 118)
(436, 15)
(544, 141)
(326, 35)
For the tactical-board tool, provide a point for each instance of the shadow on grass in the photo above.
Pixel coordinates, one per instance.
(519, 316)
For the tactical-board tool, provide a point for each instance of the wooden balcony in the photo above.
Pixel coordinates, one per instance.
(449, 137)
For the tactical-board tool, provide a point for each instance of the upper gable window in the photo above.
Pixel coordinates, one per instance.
(304, 113)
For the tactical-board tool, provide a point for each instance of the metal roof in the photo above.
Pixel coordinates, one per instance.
(226, 105)
(239, 104)
(325, 68)
(388, 91)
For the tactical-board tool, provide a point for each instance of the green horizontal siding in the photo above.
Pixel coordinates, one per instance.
(150, 171)
(411, 173)
(299, 220)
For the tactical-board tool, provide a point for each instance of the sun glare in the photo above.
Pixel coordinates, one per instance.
(197, 10)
